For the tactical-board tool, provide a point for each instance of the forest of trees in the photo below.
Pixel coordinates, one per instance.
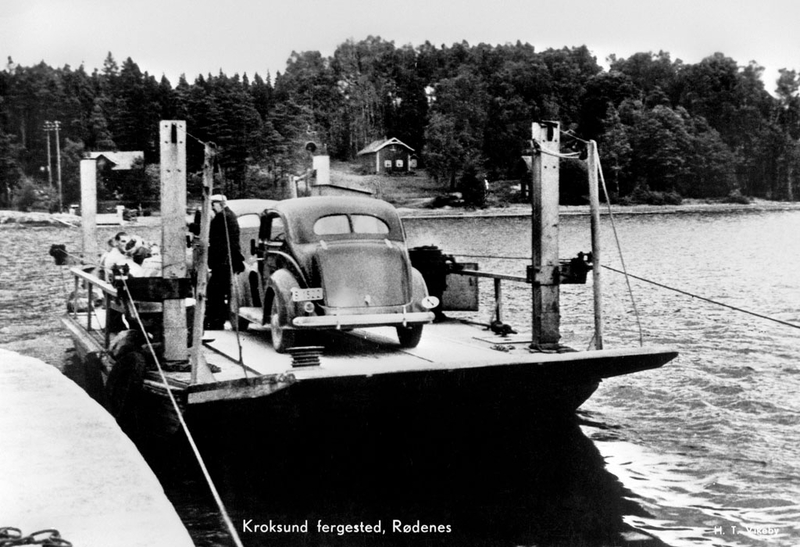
(709, 129)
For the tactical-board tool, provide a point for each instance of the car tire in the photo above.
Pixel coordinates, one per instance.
(282, 337)
(409, 336)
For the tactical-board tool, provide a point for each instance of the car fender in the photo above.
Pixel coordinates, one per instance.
(281, 283)
(419, 289)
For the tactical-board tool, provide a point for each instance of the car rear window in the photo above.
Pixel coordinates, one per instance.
(367, 224)
(353, 224)
(333, 224)
(249, 221)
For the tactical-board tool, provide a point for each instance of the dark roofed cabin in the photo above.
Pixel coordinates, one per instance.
(387, 156)
(116, 161)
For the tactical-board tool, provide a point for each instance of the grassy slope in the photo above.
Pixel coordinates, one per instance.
(413, 190)
(417, 191)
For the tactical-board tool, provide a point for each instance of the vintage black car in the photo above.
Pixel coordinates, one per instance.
(334, 263)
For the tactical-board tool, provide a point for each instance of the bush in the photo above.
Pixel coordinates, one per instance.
(445, 200)
(643, 196)
(26, 197)
(501, 193)
(736, 196)
(473, 187)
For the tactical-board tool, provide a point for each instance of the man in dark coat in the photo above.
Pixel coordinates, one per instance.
(224, 257)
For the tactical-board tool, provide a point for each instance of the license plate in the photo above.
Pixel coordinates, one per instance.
(303, 295)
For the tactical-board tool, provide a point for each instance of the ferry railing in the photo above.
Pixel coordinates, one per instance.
(571, 271)
(109, 291)
(498, 278)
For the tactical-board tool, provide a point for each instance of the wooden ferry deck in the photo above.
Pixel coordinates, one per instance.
(247, 366)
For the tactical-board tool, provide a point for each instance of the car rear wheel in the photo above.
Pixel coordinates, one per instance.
(409, 336)
(282, 337)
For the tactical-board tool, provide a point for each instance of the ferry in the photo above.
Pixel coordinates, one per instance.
(337, 320)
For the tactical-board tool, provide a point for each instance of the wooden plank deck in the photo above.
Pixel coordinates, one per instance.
(444, 346)
(247, 366)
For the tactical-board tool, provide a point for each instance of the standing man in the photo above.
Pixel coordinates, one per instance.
(224, 256)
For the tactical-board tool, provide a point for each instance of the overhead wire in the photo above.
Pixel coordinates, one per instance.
(569, 133)
(571, 155)
(199, 140)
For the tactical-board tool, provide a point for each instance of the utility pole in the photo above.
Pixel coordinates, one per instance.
(49, 161)
(48, 127)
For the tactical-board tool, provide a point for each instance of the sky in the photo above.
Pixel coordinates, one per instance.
(193, 37)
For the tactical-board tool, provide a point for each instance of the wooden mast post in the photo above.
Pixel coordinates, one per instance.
(546, 320)
(172, 137)
(89, 210)
(594, 201)
(200, 370)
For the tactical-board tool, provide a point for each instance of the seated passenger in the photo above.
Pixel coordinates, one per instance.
(152, 263)
(136, 251)
(115, 255)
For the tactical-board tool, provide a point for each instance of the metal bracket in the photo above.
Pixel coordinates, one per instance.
(543, 276)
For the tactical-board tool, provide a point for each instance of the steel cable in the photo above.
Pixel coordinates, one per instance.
(184, 426)
(656, 283)
(619, 246)
(709, 300)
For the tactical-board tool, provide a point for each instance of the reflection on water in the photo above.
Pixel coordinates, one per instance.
(541, 487)
(702, 452)
(715, 431)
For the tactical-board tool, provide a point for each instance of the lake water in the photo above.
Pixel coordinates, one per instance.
(705, 451)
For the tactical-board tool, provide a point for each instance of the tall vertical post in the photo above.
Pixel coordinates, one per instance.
(593, 166)
(49, 160)
(200, 370)
(322, 166)
(546, 312)
(89, 210)
(58, 168)
(172, 136)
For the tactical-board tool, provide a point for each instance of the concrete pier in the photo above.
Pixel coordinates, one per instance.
(66, 465)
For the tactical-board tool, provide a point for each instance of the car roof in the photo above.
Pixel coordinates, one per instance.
(301, 213)
(317, 206)
(249, 206)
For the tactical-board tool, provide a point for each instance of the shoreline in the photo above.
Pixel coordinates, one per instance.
(687, 207)
(11, 218)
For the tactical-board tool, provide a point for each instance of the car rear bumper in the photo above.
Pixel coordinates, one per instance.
(366, 320)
